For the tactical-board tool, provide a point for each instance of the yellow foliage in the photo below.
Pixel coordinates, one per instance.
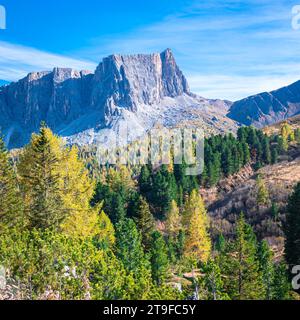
(173, 221)
(198, 242)
(120, 176)
(73, 186)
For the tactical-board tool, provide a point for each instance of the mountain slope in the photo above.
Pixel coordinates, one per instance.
(268, 107)
(135, 92)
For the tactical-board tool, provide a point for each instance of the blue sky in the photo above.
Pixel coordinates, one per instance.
(227, 48)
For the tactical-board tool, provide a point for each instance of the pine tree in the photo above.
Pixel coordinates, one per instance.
(129, 247)
(292, 229)
(118, 208)
(145, 184)
(265, 256)
(246, 153)
(145, 222)
(220, 243)
(239, 263)
(195, 220)
(275, 211)
(281, 283)
(267, 157)
(159, 258)
(10, 201)
(274, 155)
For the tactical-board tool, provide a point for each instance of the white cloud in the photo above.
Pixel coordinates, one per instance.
(17, 61)
(236, 87)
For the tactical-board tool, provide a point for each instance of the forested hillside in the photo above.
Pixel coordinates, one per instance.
(138, 232)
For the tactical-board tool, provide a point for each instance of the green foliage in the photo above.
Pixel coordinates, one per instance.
(129, 247)
(10, 203)
(159, 258)
(211, 284)
(145, 222)
(240, 265)
(263, 197)
(292, 229)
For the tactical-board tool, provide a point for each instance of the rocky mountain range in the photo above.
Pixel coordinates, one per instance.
(135, 91)
(267, 108)
(128, 93)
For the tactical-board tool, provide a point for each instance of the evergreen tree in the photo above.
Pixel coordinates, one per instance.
(292, 229)
(281, 283)
(265, 256)
(267, 157)
(10, 204)
(40, 181)
(159, 258)
(275, 211)
(145, 183)
(220, 243)
(129, 247)
(246, 153)
(274, 155)
(211, 284)
(239, 263)
(118, 208)
(145, 222)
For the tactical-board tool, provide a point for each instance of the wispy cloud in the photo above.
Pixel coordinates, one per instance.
(17, 61)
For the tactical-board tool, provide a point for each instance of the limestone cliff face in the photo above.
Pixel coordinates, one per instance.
(131, 81)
